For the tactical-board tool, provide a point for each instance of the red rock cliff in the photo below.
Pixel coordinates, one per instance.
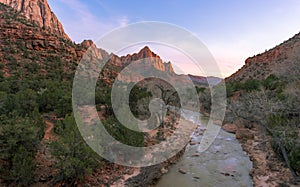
(39, 12)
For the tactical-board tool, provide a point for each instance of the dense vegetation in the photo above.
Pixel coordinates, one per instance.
(75, 158)
(22, 105)
(274, 104)
(19, 138)
(36, 84)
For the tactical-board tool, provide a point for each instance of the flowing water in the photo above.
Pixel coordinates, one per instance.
(223, 164)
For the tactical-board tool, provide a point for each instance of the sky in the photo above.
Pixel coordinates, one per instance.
(232, 30)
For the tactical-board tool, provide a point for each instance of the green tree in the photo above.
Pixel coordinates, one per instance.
(75, 158)
(22, 168)
(26, 101)
(18, 142)
(63, 106)
(251, 85)
(123, 134)
(9, 104)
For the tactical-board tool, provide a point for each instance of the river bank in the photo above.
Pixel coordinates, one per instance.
(147, 176)
(268, 169)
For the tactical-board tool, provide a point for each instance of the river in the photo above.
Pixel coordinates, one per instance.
(223, 164)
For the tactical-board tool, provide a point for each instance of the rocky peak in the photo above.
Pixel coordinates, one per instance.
(146, 53)
(149, 59)
(169, 67)
(87, 43)
(39, 12)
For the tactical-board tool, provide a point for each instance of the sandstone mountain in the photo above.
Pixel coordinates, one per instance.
(282, 61)
(39, 12)
(27, 48)
(43, 38)
(145, 56)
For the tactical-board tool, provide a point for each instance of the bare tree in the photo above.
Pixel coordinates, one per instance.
(257, 107)
(169, 97)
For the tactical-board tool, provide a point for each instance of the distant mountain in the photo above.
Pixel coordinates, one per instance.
(39, 12)
(205, 80)
(282, 61)
(152, 59)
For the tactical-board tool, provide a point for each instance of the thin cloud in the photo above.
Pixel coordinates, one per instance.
(123, 21)
(84, 24)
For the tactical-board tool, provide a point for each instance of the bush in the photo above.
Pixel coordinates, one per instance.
(272, 82)
(123, 134)
(251, 85)
(232, 87)
(26, 101)
(19, 138)
(75, 158)
(55, 97)
(288, 135)
(295, 157)
(267, 83)
(22, 170)
(200, 89)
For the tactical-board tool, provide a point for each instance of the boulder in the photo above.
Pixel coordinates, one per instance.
(230, 127)
(182, 171)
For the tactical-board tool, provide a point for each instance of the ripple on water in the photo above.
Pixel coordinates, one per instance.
(223, 164)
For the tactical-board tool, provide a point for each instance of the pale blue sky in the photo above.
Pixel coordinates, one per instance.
(232, 29)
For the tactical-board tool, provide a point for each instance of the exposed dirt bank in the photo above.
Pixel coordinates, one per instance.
(268, 169)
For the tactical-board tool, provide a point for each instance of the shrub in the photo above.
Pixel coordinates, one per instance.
(123, 134)
(251, 85)
(271, 83)
(19, 138)
(75, 158)
(288, 135)
(22, 170)
(295, 157)
(200, 89)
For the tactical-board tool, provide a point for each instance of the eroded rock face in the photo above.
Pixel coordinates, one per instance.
(149, 58)
(47, 36)
(282, 61)
(39, 12)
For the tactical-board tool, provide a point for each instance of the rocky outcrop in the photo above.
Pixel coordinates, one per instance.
(149, 59)
(39, 12)
(230, 127)
(27, 43)
(282, 61)
(22, 35)
(169, 67)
